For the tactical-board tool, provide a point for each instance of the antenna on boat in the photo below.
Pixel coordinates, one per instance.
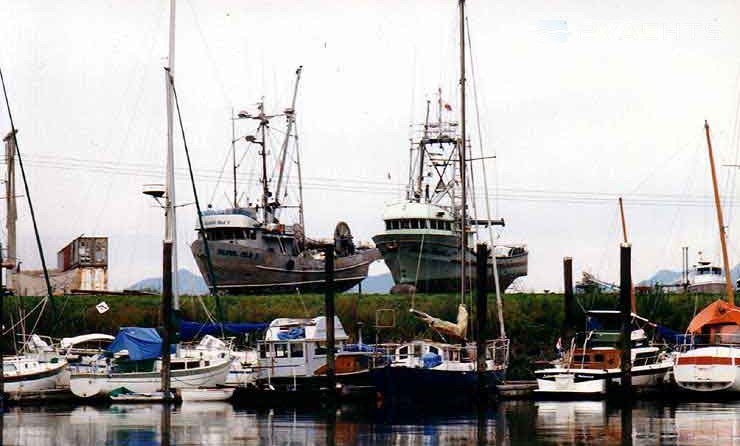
(720, 221)
(233, 156)
(422, 144)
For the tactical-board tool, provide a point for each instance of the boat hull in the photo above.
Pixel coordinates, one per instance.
(709, 369)
(91, 385)
(560, 381)
(248, 270)
(418, 385)
(47, 379)
(431, 263)
(707, 288)
(206, 394)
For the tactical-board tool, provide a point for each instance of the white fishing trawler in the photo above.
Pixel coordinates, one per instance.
(133, 362)
(706, 277)
(593, 361)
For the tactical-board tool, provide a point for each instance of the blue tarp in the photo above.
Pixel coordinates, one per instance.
(293, 333)
(190, 330)
(431, 360)
(141, 343)
(359, 348)
(669, 335)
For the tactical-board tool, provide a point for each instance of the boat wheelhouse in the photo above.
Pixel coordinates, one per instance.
(706, 277)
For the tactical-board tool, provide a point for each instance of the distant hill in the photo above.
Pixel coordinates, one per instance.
(188, 283)
(380, 284)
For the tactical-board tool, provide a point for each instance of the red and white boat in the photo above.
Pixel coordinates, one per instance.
(710, 360)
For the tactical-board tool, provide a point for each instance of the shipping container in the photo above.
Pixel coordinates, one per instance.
(84, 252)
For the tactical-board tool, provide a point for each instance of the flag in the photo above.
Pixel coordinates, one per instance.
(448, 107)
(102, 307)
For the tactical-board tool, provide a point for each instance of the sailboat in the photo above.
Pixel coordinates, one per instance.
(425, 370)
(26, 372)
(254, 251)
(709, 360)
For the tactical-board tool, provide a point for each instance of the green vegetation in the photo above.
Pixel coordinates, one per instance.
(533, 321)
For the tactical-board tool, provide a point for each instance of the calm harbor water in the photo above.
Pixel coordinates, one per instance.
(509, 423)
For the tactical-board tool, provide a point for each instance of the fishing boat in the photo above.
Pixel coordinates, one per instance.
(592, 364)
(292, 355)
(423, 370)
(133, 362)
(709, 360)
(252, 249)
(706, 277)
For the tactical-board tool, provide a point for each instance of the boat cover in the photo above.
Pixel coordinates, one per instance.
(718, 312)
(431, 360)
(141, 343)
(190, 330)
(293, 333)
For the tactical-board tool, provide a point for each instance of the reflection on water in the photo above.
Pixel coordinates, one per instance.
(510, 423)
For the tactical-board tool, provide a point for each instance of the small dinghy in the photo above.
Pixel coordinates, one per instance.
(214, 394)
(124, 395)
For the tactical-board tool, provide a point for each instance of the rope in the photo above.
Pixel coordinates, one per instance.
(22, 319)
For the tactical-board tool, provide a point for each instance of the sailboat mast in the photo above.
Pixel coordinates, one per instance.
(170, 216)
(463, 161)
(233, 155)
(720, 221)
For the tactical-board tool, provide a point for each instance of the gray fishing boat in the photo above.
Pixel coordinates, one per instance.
(252, 249)
(422, 242)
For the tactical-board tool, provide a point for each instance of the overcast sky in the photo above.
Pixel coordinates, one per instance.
(581, 102)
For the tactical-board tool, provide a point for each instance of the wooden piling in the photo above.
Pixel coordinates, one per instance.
(568, 298)
(481, 317)
(329, 312)
(166, 316)
(625, 308)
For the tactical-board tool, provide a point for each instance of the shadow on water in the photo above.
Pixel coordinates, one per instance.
(508, 423)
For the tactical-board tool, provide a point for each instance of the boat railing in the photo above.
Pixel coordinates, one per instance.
(692, 342)
(498, 351)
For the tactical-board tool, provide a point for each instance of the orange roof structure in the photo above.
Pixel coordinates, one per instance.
(718, 312)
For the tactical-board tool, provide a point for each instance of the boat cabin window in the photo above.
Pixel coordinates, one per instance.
(320, 350)
(296, 350)
(403, 352)
(281, 350)
(434, 350)
(709, 270)
(263, 348)
(227, 234)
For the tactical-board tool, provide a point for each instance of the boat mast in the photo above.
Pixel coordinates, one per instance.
(290, 115)
(720, 221)
(461, 153)
(233, 156)
(422, 145)
(263, 154)
(170, 213)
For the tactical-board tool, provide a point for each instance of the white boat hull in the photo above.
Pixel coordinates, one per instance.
(90, 385)
(709, 369)
(37, 381)
(206, 394)
(595, 382)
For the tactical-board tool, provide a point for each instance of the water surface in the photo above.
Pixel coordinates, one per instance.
(509, 423)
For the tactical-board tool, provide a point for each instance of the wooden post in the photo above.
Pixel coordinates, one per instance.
(626, 317)
(729, 289)
(166, 316)
(331, 377)
(565, 333)
(624, 235)
(481, 313)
